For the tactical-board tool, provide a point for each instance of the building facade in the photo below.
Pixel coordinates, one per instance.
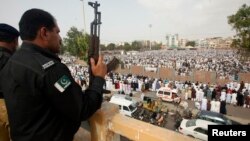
(172, 40)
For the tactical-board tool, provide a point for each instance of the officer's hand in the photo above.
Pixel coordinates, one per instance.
(99, 69)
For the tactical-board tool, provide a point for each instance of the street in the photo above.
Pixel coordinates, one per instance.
(237, 113)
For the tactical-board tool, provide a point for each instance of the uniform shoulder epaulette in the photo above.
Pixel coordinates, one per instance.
(48, 64)
(44, 61)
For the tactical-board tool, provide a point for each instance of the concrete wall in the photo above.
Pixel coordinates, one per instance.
(107, 125)
(204, 76)
(167, 73)
(151, 74)
(138, 70)
(244, 77)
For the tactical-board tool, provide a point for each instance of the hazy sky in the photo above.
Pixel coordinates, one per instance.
(128, 20)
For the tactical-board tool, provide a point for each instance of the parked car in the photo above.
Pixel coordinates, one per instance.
(215, 117)
(196, 128)
(168, 94)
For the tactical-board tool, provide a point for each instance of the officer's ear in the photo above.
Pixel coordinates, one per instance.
(43, 33)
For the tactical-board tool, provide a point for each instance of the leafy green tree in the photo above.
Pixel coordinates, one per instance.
(157, 46)
(111, 46)
(127, 46)
(63, 49)
(190, 43)
(76, 43)
(120, 47)
(136, 45)
(103, 47)
(241, 23)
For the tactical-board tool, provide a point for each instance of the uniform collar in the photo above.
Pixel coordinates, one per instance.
(5, 50)
(46, 52)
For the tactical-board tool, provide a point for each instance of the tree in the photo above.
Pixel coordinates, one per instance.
(190, 43)
(157, 46)
(103, 47)
(136, 45)
(76, 43)
(111, 46)
(127, 46)
(241, 23)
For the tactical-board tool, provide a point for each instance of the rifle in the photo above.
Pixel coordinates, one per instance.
(94, 49)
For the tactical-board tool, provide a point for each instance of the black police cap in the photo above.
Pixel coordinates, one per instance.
(5, 28)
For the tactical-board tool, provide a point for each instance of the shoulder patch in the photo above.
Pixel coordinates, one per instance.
(48, 64)
(63, 83)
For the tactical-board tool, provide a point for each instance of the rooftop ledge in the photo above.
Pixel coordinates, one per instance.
(107, 125)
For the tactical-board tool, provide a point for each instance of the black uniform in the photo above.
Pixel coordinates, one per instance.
(4, 57)
(44, 102)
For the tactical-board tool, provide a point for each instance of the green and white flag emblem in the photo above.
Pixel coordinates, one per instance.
(62, 83)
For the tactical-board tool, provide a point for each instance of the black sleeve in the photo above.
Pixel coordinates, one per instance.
(72, 103)
(3, 61)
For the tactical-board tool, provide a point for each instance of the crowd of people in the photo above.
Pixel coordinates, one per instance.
(207, 96)
(226, 63)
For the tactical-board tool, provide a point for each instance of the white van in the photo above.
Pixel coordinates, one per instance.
(126, 106)
(168, 94)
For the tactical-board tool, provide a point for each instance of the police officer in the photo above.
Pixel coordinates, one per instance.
(44, 102)
(8, 44)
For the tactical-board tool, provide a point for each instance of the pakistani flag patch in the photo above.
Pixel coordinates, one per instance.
(62, 83)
